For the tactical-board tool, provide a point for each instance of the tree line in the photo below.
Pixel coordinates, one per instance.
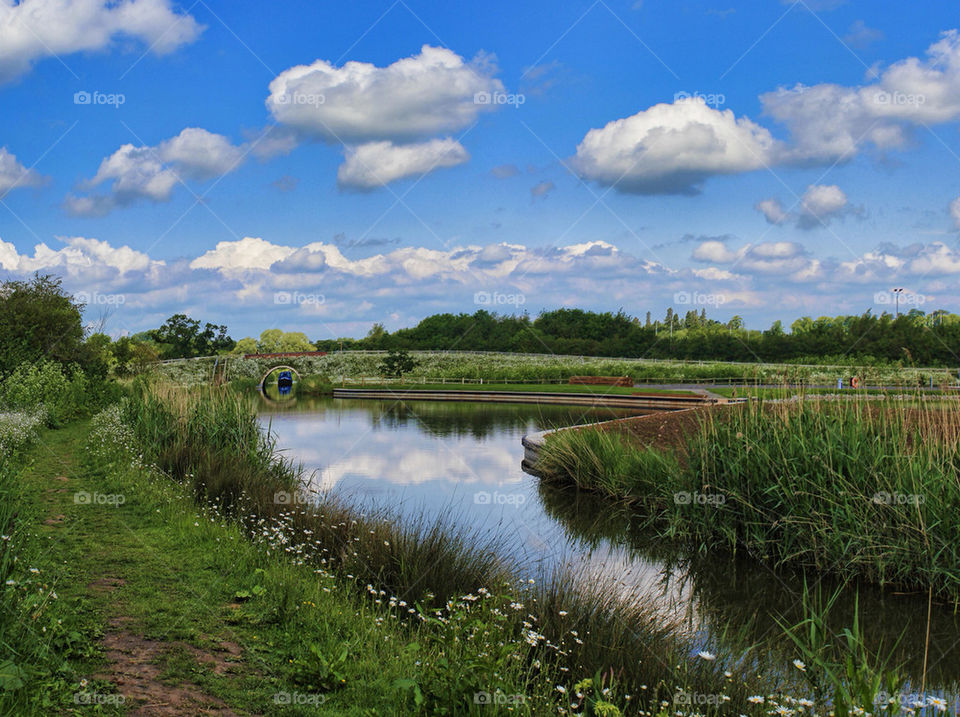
(912, 338)
(39, 319)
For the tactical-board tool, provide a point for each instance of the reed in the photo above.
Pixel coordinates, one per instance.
(864, 489)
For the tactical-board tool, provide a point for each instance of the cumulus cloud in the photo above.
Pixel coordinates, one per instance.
(387, 118)
(673, 149)
(235, 281)
(31, 30)
(79, 256)
(773, 210)
(14, 175)
(430, 93)
(830, 122)
(819, 204)
(151, 173)
(787, 259)
(376, 164)
(713, 251)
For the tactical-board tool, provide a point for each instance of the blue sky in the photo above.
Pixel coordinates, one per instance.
(320, 168)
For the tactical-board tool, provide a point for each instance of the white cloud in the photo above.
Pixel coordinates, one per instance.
(247, 253)
(772, 209)
(713, 251)
(413, 98)
(831, 122)
(34, 29)
(152, 172)
(819, 204)
(375, 164)
(14, 175)
(673, 149)
(235, 282)
(80, 256)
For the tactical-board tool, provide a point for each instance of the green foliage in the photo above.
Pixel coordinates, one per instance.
(396, 363)
(911, 339)
(182, 337)
(63, 394)
(40, 321)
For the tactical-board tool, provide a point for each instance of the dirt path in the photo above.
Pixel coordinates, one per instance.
(157, 655)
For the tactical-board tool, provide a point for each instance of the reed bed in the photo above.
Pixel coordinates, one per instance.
(854, 488)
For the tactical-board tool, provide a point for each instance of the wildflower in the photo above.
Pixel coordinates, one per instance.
(755, 699)
(799, 665)
(561, 689)
(940, 705)
(704, 655)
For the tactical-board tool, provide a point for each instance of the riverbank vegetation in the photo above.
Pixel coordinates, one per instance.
(549, 370)
(859, 489)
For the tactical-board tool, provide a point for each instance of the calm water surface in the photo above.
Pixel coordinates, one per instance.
(460, 462)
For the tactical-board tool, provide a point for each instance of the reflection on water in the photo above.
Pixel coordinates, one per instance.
(461, 462)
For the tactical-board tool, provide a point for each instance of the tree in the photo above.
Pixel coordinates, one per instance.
(396, 363)
(38, 319)
(246, 345)
(181, 337)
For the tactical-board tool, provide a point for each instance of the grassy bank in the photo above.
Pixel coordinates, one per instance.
(547, 635)
(857, 489)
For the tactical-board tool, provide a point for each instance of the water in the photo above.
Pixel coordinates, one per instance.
(460, 462)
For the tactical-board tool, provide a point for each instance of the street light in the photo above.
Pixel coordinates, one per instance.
(897, 293)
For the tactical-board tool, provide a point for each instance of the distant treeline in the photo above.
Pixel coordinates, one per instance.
(913, 338)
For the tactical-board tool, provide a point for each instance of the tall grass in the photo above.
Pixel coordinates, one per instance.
(210, 441)
(857, 489)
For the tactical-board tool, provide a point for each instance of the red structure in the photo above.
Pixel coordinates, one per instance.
(602, 380)
(289, 354)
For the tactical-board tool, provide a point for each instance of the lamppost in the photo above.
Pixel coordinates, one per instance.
(897, 292)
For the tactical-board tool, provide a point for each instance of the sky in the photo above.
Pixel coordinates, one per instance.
(319, 167)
